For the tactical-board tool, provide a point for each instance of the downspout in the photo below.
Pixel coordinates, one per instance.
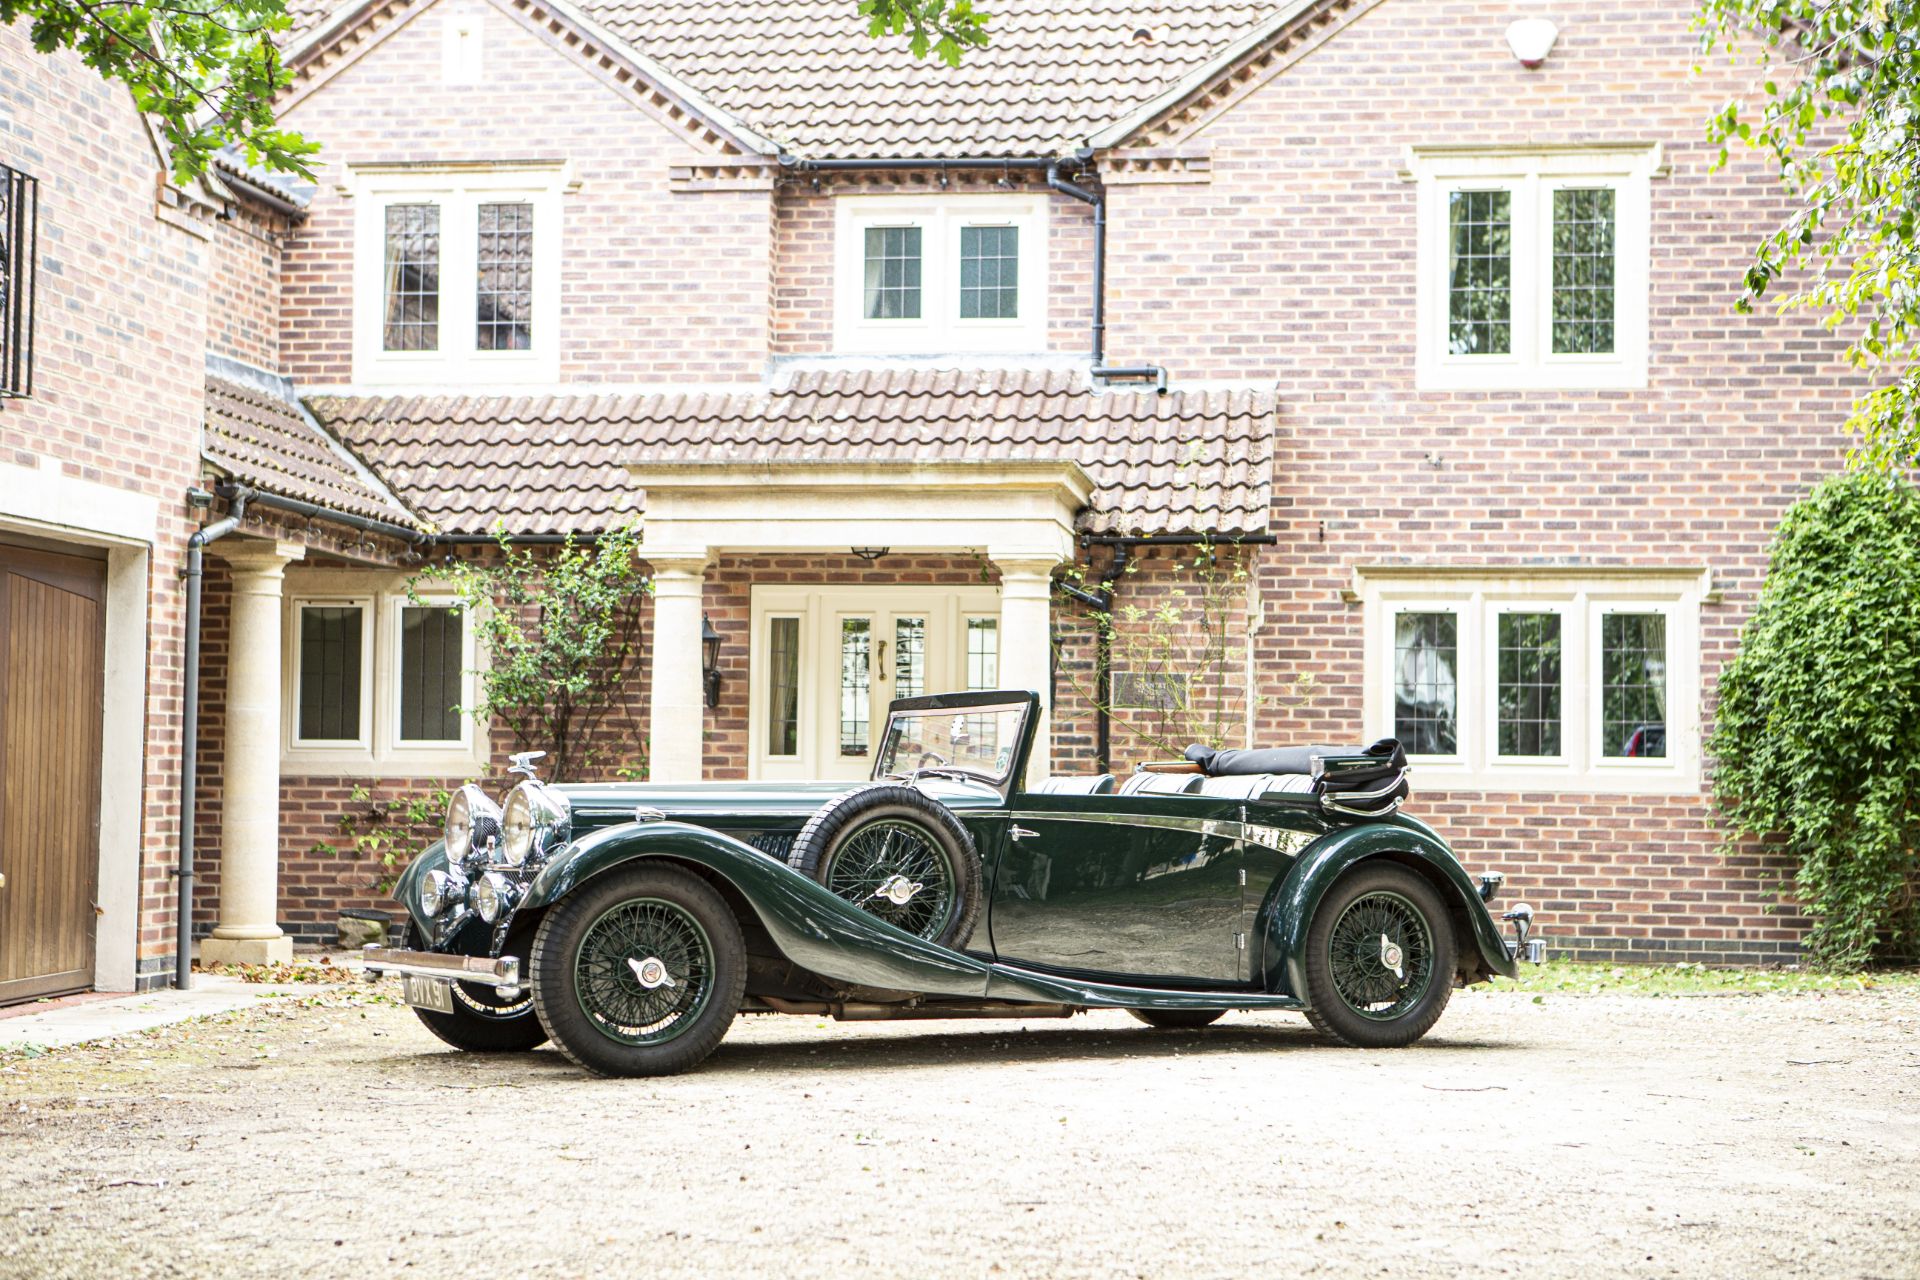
(1102, 599)
(1098, 199)
(190, 729)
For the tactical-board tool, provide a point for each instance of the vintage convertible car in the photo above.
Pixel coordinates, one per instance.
(630, 923)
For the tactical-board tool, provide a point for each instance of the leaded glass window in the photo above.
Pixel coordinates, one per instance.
(1583, 257)
(1529, 684)
(783, 687)
(412, 278)
(1426, 692)
(893, 273)
(503, 300)
(1479, 272)
(983, 653)
(330, 673)
(1633, 685)
(856, 647)
(909, 657)
(989, 273)
(430, 668)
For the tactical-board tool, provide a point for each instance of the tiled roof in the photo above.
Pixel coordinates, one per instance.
(1192, 460)
(258, 436)
(230, 161)
(806, 74)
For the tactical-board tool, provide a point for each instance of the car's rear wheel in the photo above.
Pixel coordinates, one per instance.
(1380, 958)
(1178, 1019)
(484, 1022)
(640, 972)
(898, 854)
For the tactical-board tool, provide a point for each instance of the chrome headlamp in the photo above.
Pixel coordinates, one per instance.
(473, 823)
(493, 896)
(440, 890)
(536, 818)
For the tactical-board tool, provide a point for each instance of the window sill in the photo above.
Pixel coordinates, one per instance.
(455, 762)
(1434, 375)
(1610, 780)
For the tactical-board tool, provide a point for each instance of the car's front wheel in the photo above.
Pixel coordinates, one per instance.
(1380, 958)
(640, 972)
(484, 1022)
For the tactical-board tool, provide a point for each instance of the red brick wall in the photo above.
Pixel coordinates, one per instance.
(656, 286)
(1305, 246)
(119, 342)
(245, 324)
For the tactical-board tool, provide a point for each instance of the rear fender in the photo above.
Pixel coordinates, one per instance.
(813, 927)
(1287, 914)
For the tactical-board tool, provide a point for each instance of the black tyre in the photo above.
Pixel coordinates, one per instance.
(640, 972)
(1380, 958)
(901, 855)
(482, 1022)
(1178, 1019)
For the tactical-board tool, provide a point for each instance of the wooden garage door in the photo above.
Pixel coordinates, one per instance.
(52, 647)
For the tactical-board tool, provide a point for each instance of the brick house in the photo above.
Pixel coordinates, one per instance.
(1433, 349)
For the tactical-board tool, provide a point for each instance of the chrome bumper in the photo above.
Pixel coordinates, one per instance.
(502, 973)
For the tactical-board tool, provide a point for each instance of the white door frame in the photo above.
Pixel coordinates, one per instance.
(820, 606)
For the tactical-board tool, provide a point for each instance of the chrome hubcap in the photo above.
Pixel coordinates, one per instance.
(651, 973)
(898, 890)
(1392, 958)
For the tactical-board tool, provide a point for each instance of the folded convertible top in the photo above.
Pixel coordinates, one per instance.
(1365, 781)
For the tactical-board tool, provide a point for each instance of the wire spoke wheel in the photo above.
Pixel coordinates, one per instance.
(896, 871)
(644, 971)
(1381, 955)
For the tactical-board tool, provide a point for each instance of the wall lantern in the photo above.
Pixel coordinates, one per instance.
(1531, 40)
(869, 554)
(710, 661)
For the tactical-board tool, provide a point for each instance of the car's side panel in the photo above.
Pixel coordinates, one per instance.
(1287, 914)
(837, 940)
(1147, 886)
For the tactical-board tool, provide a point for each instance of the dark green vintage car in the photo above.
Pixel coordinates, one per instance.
(630, 923)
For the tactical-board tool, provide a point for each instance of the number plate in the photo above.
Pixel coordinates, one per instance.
(427, 993)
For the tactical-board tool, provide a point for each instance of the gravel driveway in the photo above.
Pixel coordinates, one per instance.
(1577, 1136)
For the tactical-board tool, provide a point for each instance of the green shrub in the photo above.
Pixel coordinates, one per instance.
(1817, 734)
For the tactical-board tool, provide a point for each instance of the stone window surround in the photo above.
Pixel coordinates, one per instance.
(1582, 595)
(379, 752)
(1532, 174)
(459, 189)
(939, 328)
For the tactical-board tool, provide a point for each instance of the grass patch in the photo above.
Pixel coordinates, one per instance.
(1572, 977)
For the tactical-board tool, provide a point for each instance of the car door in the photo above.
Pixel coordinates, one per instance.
(1145, 887)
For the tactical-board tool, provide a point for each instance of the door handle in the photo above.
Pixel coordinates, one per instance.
(1021, 833)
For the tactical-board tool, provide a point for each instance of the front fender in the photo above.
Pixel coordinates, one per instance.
(406, 890)
(812, 926)
(1288, 912)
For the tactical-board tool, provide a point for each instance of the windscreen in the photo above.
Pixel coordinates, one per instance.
(977, 741)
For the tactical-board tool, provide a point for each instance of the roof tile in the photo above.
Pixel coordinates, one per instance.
(262, 439)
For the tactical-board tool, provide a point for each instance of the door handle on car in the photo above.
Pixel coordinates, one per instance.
(1021, 833)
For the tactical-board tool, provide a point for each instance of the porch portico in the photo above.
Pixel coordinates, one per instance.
(1018, 515)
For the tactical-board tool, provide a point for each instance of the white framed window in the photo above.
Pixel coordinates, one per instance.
(457, 274)
(375, 681)
(826, 659)
(1532, 267)
(1585, 681)
(926, 275)
(331, 673)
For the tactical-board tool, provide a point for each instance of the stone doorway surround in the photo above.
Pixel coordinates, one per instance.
(1017, 513)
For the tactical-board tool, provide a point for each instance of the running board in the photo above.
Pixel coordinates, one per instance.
(1008, 982)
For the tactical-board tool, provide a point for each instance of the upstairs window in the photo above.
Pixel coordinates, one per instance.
(19, 235)
(456, 277)
(1532, 268)
(929, 275)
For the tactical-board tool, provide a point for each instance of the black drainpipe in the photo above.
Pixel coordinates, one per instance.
(1102, 599)
(190, 728)
(1098, 199)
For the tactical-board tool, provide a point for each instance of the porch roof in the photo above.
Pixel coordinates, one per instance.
(1189, 461)
(258, 434)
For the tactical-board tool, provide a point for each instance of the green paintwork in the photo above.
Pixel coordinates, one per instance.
(1150, 900)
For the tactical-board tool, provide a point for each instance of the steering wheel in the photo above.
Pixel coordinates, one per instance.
(929, 759)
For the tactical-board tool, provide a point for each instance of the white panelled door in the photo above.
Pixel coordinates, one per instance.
(827, 660)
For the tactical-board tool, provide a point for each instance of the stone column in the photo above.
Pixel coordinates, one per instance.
(248, 931)
(676, 705)
(1026, 643)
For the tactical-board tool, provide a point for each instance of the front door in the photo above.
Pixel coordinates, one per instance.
(52, 652)
(1138, 886)
(826, 661)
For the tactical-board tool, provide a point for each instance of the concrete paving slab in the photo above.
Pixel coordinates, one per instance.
(103, 1019)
